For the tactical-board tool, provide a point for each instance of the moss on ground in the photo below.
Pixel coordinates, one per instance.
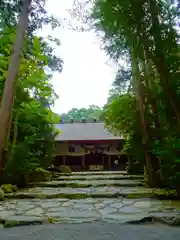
(139, 195)
(64, 195)
(8, 223)
(16, 223)
(61, 195)
(161, 194)
(53, 220)
(39, 175)
(9, 188)
(77, 185)
(164, 194)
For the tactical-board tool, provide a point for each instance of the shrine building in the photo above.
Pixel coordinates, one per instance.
(89, 146)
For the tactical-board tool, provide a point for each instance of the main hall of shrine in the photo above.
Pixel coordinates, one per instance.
(89, 146)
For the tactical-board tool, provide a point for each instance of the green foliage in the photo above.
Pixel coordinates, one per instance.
(8, 188)
(86, 113)
(39, 17)
(143, 103)
(121, 118)
(169, 153)
(121, 114)
(1, 195)
(39, 175)
(30, 141)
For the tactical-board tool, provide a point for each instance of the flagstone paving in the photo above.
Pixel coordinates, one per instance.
(89, 208)
(103, 176)
(95, 183)
(98, 173)
(89, 191)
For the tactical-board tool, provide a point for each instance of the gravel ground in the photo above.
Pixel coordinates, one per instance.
(91, 231)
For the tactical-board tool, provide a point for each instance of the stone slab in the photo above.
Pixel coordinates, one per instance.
(91, 182)
(113, 176)
(83, 208)
(92, 190)
(101, 208)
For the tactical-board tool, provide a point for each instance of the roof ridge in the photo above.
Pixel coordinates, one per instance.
(85, 131)
(79, 121)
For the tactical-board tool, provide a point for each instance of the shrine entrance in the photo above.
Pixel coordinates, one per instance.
(93, 158)
(93, 161)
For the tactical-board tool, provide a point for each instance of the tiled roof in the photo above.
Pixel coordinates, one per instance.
(84, 131)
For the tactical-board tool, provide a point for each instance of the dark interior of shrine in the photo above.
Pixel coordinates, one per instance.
(77, 163)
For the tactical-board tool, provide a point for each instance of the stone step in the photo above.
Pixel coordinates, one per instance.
(100, 177)
(94, 192)
(38, 211)
(95, 173)
(90, 183)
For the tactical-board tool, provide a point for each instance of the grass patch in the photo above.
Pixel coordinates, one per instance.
(25, 196)
(16, 223)
(62, 195)
(52, 220)
(160, 194)
(84, 196)
(165, 194)
(9, 188)
(72, 196)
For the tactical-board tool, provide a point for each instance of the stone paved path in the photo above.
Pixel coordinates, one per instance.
(53, 203)
(95, 183)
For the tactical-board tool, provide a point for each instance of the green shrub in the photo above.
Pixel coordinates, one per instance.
(19, 165)
(1, 195)
(39, 175)
(14, 188)
(8, 188)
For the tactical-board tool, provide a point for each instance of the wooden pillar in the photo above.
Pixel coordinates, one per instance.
(109, 162)
(83, 162)
(103, 161)
(64, 160)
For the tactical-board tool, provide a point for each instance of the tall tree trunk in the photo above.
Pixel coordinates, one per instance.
(8, 133)
(151, 162)
(149, 77)
(15, 131)
(7, 98)
(160, 62)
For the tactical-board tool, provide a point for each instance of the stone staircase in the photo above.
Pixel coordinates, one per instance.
(87, 197)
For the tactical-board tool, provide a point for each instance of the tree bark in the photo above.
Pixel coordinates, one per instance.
(158, 57)
(149, 77)
(8, 133)
(7, 98)
(151, 162)
(160, 61)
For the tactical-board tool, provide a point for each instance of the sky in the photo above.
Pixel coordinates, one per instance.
(86, 77)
